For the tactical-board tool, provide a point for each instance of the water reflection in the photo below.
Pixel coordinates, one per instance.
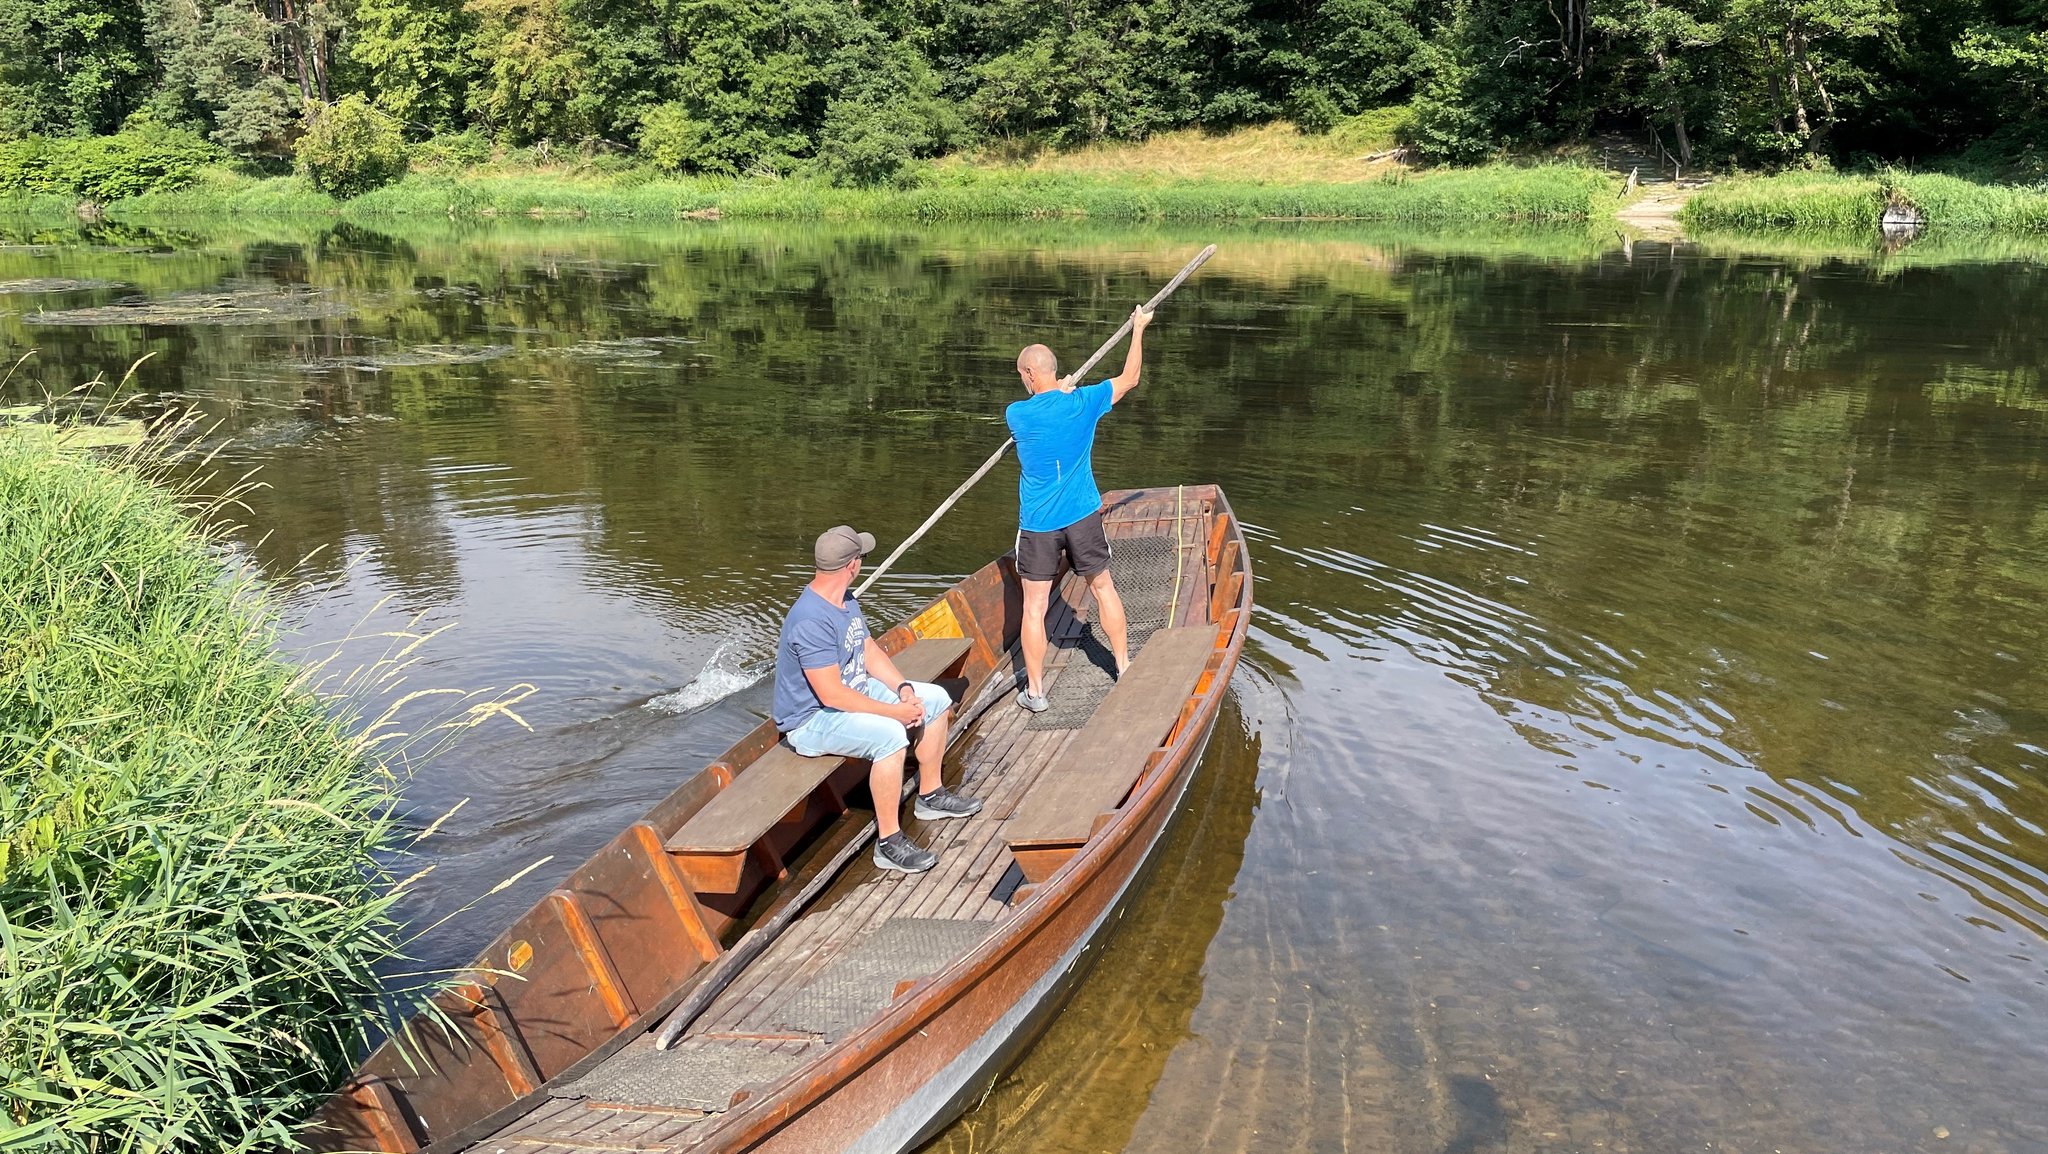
(1644, 712)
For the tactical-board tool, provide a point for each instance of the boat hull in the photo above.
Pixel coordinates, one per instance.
(636, 930)
(969, 1077)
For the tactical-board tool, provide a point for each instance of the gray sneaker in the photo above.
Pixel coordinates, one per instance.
(943, 803)
(1034, 702)
(897, 852)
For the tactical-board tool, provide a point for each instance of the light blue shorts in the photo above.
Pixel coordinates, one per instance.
(868, 735)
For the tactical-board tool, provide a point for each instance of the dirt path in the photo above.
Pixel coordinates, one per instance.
(1657, 209)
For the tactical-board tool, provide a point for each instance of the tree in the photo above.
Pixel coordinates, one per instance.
(412, 58)
(1503, 72)
(1110, 69)
(242, 69)
(1671, 68)
(1357, 53)
(754, 74)
(529, 72)
(351, 148)
(70, 66)
(886, 113)
(2011, 56)
(1803, 53)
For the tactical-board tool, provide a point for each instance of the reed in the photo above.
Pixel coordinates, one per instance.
(1809, 202)
(194, 843)
(1838, 204)
(952, 193)
(1955, 203)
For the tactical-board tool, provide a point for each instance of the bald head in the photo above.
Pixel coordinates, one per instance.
(1039, 368)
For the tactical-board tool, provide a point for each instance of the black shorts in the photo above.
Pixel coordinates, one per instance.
(1085, 544)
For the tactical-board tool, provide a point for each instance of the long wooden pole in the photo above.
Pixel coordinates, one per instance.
(1157, 299)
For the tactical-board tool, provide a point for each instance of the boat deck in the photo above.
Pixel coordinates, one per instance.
(874, 932)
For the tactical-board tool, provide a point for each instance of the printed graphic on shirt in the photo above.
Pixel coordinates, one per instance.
(853, 668)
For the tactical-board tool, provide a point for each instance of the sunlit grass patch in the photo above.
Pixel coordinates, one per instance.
(952, 192)
(1853, 203)
(1276, 153)
(1815, 202)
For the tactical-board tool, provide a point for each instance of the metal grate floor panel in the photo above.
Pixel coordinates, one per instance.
(694, 1076)
(1145, 570)
(861, 982)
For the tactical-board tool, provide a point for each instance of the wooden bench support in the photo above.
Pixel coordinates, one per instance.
(712, 849)
(1075, 795)
(604, 976)
(503, 1043)
(388, 1123)
(677, 887)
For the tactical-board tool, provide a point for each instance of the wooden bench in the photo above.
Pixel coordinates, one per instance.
(1060, 812)
(711, 848)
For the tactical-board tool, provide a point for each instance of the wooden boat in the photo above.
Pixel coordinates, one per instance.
(831, 1006)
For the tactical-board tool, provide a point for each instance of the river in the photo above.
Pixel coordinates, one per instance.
(1643, 740)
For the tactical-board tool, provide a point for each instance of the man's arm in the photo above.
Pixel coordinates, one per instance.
(836, 694)
(1127, 380)
(881, 668)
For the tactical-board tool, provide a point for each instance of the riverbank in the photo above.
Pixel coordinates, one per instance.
(1837, 203)
(1489, 193)
(191, 845)
(1118, 188)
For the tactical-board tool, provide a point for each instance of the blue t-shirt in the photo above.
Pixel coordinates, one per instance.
(1055, 434)
(816, 633)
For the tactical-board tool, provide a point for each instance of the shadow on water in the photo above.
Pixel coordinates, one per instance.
(1076, 1089)
(1480, 1124)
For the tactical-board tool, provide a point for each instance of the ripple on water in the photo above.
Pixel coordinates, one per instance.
(1640, 744)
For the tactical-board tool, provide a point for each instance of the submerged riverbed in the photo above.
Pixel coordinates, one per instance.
(1642, 742)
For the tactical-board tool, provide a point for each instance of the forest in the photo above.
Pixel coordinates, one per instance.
(856, 88)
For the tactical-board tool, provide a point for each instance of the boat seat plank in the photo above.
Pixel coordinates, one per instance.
(996, 759)
(1099, 767)
(779, 780)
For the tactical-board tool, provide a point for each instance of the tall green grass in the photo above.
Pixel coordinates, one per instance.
(1828, 203)
(1951, 202)
(1493, 193)
(193, 895)
(1813, 202)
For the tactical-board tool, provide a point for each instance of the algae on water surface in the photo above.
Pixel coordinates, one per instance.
(250, 306)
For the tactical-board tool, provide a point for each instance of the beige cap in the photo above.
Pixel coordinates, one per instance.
(840, 544)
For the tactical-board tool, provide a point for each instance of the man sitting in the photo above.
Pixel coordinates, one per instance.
(838, 694)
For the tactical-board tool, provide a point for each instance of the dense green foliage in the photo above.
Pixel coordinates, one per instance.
(141, 159)
(189, 841)
(351, 148)
(860, 91)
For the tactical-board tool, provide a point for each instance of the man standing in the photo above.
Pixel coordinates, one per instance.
(1059, 510)
(837, 694)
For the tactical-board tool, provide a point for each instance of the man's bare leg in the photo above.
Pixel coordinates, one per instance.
(1109, 613)
(931, 756)
(885, 782)
(1037, 596)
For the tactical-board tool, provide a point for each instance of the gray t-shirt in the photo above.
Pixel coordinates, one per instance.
(816, 633)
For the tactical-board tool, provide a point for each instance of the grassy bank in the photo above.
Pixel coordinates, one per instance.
(189, 842)
(1829, 203)
(1492, 193)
